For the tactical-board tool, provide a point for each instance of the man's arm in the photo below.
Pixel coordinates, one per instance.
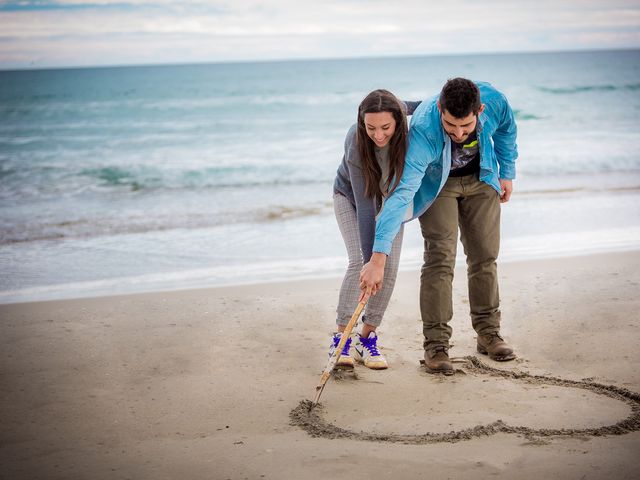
(419, 154)
(504, 141)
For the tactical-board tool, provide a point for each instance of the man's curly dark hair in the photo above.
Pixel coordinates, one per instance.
(460, 97)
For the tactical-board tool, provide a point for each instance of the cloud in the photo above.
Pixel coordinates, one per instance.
(162, 31)
(43, 5)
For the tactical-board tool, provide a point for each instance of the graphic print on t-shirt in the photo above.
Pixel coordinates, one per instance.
(464, 153)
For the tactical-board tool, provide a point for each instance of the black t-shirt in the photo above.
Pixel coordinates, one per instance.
(465, 157)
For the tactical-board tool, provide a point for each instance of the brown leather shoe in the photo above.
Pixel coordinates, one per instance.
(436, 360)
(493, 344)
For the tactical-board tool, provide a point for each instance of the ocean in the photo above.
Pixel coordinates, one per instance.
(131, 179)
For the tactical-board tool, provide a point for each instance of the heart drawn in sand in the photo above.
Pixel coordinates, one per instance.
(309, 418)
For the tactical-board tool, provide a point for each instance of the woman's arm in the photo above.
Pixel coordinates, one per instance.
(365, 207)
(411, 106)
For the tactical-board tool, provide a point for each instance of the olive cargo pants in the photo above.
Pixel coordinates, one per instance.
(474, 207)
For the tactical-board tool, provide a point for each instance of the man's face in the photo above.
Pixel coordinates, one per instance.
(459, 129)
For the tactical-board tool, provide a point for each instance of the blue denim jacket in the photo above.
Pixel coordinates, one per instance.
(428, 160)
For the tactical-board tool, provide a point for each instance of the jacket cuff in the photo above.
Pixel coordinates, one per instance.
(382, 246)
(507, 172)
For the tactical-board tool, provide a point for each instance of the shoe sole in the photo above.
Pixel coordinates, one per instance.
(358, 358)
(436, 371)
(497, 358)
(345, 365)
(372, 367)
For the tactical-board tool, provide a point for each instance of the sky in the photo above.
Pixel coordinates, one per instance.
(44, 33)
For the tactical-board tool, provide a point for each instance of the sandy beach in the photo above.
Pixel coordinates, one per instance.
(201, 384)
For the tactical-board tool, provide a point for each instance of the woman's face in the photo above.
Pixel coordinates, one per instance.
(380, 127)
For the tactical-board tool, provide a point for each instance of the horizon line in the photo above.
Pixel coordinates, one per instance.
(313, 59)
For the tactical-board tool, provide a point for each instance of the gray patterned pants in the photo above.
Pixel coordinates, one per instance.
(350, 290)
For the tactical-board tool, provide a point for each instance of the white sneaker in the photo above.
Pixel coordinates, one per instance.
(345, 360)
(367, 352)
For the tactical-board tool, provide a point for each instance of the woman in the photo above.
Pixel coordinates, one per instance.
(371, 168)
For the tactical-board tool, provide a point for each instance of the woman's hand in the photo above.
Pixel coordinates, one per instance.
(372, 275)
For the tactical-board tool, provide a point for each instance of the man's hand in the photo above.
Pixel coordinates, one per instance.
(372, 275)
(506, 187)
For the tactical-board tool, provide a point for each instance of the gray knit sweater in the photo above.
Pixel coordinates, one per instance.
(350, 183)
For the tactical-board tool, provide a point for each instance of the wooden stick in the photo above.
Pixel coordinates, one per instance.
(337, 352)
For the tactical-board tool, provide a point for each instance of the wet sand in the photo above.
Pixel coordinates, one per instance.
(210, 384)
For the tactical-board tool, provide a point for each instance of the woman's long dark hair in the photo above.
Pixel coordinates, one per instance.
(382, 101)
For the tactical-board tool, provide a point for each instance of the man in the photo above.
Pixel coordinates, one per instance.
(459, 168)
